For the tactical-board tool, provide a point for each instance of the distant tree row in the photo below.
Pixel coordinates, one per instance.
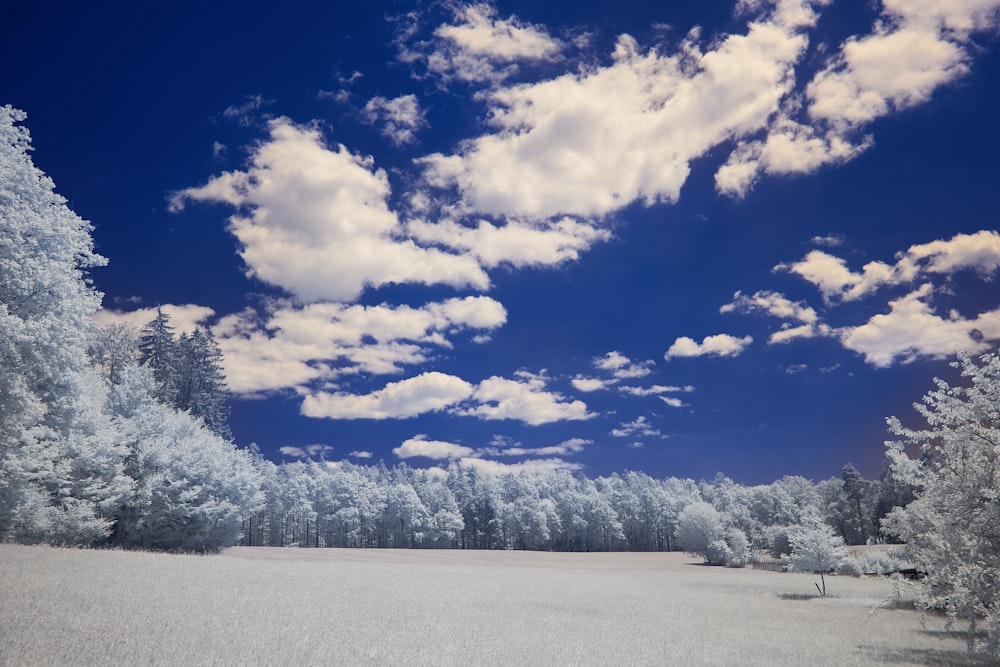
(318, 504)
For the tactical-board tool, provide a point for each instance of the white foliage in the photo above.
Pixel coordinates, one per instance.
(952, 529)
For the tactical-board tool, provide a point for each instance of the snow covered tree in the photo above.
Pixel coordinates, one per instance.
(815, 548)
(60, 467)
(952, 529)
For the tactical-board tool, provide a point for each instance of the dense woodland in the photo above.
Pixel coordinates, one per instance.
(118, 437)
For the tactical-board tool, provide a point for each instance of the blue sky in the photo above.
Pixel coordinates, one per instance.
(676, 238)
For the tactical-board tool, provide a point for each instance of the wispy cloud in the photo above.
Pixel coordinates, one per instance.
(307, 452)
(479, 46)
(398, 118)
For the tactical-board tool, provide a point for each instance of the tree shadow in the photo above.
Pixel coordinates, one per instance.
(798, 596)
(935, 657)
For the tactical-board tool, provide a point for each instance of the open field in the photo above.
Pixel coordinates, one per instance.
(353, 607)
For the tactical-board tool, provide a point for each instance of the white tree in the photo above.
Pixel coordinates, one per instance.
(952, 529)
(60, 463)
(815, 548)
(698, 526)
(191, 488)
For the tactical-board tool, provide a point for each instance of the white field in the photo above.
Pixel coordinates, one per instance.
(392, 607)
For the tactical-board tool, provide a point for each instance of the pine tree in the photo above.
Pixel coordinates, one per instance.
(206, 390)
(158, 349)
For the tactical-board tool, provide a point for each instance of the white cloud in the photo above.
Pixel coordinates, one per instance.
(295, 346)
(419, 445)
(524, 399)
(911, 329)
(398, 118)
(892, 68)
(183, 317)
(639, 427)
(427, 392)
(589, 143)
(834, 280)
(655, 390)
(517, 243)
(244, 113)
(480, 47)
(588, 385)
(491, 467)
(914, 48)
(361, 454)
(979, 252)
(778, 305)
(621, 367)
(722, 345)
(571, 446)
(306, 452)
(315, 221)
(673, 401)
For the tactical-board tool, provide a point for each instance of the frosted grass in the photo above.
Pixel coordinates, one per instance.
(355, 607)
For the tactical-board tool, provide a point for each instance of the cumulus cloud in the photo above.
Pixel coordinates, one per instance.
(524, 399)
(361, 454)
(778, 305)
(515, 243)
(479, 46)
(913, 48)
(428, 392)
(912, 329)
(419, 445)
(398, 118)
(978, 252)
(183, 317)
(295, 345)
(589, 143)
(721, 345)
(315, 221)
(587, 384)
(914, 325)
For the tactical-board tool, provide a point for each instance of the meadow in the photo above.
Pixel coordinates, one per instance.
(284, 606)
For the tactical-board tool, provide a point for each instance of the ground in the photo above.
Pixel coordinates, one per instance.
(354, 607)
